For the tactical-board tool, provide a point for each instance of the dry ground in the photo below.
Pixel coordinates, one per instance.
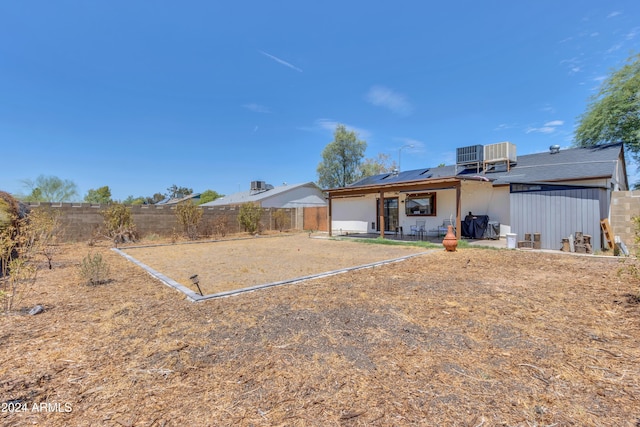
(475, 337)
(240, 263)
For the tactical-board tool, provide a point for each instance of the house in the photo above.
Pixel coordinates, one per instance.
(193, 197)
(268, 196)
(555, 193)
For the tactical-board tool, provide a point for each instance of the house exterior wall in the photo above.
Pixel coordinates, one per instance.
(358, 214)
(482, 198)
(557, 214)
(445, 211)
(296, 198)
(353, 215)
(602, 182)
(620, 180)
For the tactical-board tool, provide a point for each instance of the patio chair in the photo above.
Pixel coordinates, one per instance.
(421, 228)
(413, 231)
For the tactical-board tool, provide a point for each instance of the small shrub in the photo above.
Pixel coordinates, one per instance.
(118, 223)
(44, 228)
(189, 216)
(220, 226)
(23, 236)
(631, 268)
(282, 220)
(249, 217)
(94, 270)
(174, 236)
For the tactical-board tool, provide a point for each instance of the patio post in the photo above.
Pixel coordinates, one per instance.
(458, 210)
(330, 222)
(381, 217)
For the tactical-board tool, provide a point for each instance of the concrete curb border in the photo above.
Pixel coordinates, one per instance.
(195, 297)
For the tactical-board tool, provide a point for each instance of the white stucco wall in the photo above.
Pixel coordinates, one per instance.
(296, 198)
(353, 215)
(356, 215)
(445, 211)
(482, 198)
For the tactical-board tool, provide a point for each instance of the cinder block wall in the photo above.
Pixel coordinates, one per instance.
(624, 206)
(81, 220)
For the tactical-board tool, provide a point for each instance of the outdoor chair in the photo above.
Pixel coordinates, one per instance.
(421, 228)
(413, 231)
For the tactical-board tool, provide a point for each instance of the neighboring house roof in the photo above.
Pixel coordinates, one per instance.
(168, 201)
(313, 198)
(568, 164)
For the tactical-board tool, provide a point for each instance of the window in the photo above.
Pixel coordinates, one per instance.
(423, 204)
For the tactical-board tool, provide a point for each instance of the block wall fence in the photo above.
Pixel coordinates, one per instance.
(81, 220)
(624, 206)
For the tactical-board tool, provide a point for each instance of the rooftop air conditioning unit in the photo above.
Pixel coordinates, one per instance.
(258, 185)
(502, 151)
(471, 154)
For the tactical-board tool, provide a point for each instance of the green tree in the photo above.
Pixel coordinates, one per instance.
(130, 200)
(209, 196)
(51, 189)
(613, 114)
(175, 192)
(101, 195)
(341, 159)
(376, 166)
(157, 197)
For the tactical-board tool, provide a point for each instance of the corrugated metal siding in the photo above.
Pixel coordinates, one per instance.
(558, 213)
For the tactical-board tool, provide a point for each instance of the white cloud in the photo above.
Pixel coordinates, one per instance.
(614, 14)
(330, 125)
(614, 48)
(544, 129)
(574, 64)
(281, 61)
(633, 33)
(548, 127)
(381, 96)
(504, 126)
(415, 145)
(257, 108)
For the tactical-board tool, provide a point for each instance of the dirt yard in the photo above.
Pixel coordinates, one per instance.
(234, 264)
(472, 338)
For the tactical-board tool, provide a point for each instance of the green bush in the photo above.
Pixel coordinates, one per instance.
(94, 270)
(189, 216)
(631, 266)
(118, 223)
(249, 217)
(281, 220)
(220, 226)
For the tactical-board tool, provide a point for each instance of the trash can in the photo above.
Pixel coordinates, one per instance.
(511, 240)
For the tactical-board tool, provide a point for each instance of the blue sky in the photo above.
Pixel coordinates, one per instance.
(141, 95)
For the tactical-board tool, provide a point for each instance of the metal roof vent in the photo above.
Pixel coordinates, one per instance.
(554, 149)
